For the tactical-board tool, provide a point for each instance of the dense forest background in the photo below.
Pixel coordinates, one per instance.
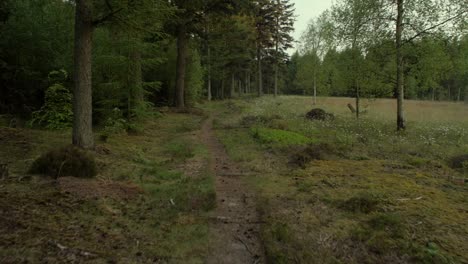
(175, 53)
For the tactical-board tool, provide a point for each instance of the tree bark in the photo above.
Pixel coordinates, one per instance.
(315, 85)
(459, 94)
(222, 89)
(136, 82)
(260, 74)
(233, 85)
(181, 65)
(209, 72)
(82, 74)
(400, 89)
(466, 95)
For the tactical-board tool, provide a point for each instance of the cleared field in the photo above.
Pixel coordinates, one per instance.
(382, 109)
(342, 191)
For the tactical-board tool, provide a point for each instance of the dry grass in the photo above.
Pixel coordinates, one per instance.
(380, 109)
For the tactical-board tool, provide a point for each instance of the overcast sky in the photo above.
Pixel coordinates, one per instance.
(306, 10)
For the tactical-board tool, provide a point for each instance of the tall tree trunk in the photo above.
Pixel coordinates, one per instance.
(222, 89)
(136, 82)
(315, 85)
(233, 85)
(249, 83)
(209, 73)
(239, 82)
(358, 100)
(459, 94)
(449, 92)
(181, 65)
(82, 74)
(260, 74)
(400, 88)
(466, 95)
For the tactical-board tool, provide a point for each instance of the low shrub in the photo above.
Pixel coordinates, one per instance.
(254, 120)
(458, 162)
(361, 203)
(319, 114)
(66, 161)
(304, 155)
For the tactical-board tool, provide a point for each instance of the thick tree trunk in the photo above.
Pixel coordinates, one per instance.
(276, 79)
(459, 94)
(249, 83)
(181, 65)
(315, 86)
(240, 87)
(233, 85)
(400, 89)
(136, 82)
(222, 89)
(449, 92)
(260, 74)
(358, 101)
(209, 73)
(82, 74)
(466, 95)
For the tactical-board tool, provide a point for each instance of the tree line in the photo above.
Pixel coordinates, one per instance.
(114, 59)
(401, 49)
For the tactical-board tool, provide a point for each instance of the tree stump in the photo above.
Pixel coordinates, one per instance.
(351, 108)
(3, 171)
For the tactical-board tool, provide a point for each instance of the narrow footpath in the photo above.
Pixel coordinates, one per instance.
(235, 225)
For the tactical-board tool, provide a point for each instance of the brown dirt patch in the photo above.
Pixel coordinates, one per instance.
(96, 189)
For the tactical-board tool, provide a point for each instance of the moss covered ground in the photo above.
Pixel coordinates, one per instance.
(372, 195)
(147, 204)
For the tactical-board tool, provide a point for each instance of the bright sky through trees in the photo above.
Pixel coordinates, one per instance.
(305, 11)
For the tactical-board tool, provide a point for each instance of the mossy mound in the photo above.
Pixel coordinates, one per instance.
(319, 114)
(65, 161)
(459, 162)
(361, 203)
(304, 155)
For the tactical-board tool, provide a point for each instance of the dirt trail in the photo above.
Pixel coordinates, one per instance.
(235, 226)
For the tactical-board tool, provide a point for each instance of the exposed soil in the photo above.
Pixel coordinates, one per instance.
(235, 227)
(90, 188)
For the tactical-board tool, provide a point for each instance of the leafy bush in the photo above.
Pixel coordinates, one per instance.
(56, 113)
(66, 161)
(279, 137)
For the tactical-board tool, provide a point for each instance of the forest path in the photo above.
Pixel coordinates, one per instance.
(235, 226)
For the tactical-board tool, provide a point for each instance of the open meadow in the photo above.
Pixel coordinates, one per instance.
(348, 191)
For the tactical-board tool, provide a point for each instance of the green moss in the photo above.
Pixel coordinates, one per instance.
(361, 203)
(279, 137)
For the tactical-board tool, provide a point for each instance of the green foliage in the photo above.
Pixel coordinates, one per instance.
(194, 78)
(57, 110)
(65, 161)
(279, 137)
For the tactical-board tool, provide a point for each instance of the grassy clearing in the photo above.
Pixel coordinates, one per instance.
(166, 222)
(365, 193)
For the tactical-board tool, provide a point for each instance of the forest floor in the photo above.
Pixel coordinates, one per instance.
(236, 224)
(347, 191)
(248, 181)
